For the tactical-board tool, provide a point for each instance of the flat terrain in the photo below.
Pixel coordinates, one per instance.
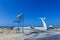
(49, 35)
(36, 35)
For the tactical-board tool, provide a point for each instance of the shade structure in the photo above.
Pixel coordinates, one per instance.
(19, 15)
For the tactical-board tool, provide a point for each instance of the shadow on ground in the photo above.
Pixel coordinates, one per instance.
(54, 37)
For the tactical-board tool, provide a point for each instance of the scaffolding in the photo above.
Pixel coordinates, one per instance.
(20, 22)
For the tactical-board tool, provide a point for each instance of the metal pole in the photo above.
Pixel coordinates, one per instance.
(23, 24)
(18, 25)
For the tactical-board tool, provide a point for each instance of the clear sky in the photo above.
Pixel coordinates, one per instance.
(32, 9)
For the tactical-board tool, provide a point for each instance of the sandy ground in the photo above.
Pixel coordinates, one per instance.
(36, 35)
(49, 35)
(11, 37)
(7, 34)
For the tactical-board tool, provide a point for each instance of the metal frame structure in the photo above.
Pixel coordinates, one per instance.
(20, 22)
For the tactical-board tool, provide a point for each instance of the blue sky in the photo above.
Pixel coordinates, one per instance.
(32, 9)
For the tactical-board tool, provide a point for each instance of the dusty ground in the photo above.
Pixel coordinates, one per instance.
(6, 34)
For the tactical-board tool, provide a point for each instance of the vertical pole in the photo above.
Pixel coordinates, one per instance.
(18, 25)
(23, 24)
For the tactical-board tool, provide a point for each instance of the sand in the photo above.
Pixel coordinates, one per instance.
(7, 34)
